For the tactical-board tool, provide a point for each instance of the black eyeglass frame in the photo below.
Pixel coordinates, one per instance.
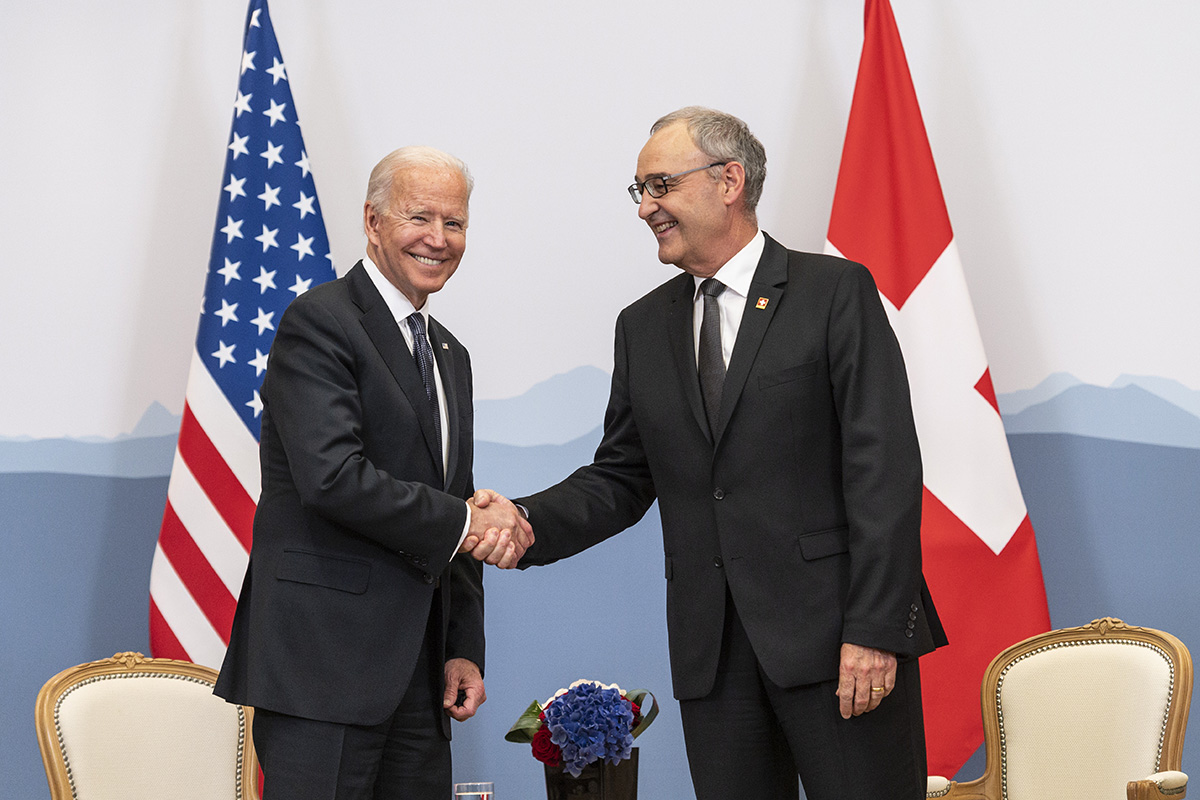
(635, 189)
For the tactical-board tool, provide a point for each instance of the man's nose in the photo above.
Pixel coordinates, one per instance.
(436, 235)
(647, 206)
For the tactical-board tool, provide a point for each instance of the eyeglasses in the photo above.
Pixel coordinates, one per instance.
(657, 186)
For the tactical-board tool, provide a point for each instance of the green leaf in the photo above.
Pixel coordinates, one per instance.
(639, 696)
(526, 725)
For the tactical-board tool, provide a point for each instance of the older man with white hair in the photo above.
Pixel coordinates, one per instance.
(359, 628)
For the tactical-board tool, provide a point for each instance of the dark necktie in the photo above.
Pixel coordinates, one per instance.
(711, 361)
(423, 354)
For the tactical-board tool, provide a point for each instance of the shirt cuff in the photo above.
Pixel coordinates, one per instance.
(466, 528)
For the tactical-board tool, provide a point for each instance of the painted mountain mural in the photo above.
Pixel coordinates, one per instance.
(1111, 477)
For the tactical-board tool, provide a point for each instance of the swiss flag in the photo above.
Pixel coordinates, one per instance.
(980, 557)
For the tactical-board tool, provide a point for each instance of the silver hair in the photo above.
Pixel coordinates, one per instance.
(724, 137)
(379, 186)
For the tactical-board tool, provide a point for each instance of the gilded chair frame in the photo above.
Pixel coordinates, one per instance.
(1167, 781)
(129, 665)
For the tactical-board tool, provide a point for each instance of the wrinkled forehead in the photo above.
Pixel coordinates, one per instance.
(431, 188)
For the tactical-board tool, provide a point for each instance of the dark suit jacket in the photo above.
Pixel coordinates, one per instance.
(806, 501)
(355, 528)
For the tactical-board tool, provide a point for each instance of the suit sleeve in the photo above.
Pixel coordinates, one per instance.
(607, 496)
(881, 464)
(314, 401)
(465, 635)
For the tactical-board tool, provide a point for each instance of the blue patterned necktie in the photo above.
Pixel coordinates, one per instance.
(423, 354)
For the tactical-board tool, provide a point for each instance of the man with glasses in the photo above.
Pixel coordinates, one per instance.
(761, 397)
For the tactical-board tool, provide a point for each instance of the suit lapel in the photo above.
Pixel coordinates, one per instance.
(680, 332)
(770, 277)
(381, 327)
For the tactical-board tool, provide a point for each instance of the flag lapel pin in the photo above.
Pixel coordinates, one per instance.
(762, 303)
(445, 346)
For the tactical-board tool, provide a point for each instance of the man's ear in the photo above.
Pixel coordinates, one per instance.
(371, 224)
(733, 181)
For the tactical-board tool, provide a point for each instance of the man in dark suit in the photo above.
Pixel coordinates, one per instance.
(769, 414)
(358, 633)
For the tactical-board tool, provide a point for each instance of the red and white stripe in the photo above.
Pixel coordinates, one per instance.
(980, 556)
(204, 544)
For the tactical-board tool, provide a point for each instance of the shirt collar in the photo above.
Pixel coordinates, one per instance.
(397, 303)
(738, 272)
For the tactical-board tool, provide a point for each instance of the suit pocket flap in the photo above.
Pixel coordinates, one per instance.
(825, 543)
(805, 370)
(343, 574)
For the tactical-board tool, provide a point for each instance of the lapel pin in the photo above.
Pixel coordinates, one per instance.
(445, 346)
(762, 303)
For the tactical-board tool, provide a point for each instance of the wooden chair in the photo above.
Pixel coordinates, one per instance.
(137, 727)
(1089, 713)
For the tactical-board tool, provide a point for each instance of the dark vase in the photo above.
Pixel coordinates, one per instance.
(598, 781)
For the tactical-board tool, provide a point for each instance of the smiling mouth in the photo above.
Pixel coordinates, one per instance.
(429, 262)
(663, 226)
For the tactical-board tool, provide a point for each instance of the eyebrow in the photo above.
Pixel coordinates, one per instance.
(427, 211)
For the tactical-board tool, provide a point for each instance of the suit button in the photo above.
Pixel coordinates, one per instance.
(428, 578)
(912, 616)
(909, 633)
(717, 562)
(719, 493)
(913, 608)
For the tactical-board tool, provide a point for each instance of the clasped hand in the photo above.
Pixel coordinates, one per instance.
(498, 533)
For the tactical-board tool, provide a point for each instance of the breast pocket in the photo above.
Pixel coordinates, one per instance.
(788, 375)
(317, 569)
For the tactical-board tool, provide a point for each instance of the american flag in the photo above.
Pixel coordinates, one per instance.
(268, 248)
(980, 554)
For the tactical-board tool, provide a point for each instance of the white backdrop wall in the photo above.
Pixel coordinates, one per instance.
(1065, 134)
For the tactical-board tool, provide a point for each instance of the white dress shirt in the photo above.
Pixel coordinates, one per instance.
(737, 274)
(402, 309)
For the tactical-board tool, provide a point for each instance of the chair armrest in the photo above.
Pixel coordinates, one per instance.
(1170, 785)
(936, 786)
(939, 788)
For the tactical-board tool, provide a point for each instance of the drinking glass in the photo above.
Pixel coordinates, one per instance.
(474, 791)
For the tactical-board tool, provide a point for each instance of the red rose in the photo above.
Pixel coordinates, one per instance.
(545, 750)
(637, 713)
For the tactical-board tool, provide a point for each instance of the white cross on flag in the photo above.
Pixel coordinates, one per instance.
(980, 556)
(269, 247)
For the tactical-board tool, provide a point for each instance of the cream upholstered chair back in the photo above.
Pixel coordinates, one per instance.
(134, 727)
(1084, 713)
(1103, 701)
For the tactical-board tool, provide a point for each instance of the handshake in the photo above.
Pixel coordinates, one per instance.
(498, 532)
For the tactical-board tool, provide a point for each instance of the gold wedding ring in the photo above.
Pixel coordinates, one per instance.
(876, 688)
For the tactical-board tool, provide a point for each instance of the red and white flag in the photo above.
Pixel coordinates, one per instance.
(204, 544)
(980, 556)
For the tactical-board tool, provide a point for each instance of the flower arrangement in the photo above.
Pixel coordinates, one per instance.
(584, 723)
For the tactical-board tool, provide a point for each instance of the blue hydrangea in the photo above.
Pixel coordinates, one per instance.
(590, 723)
